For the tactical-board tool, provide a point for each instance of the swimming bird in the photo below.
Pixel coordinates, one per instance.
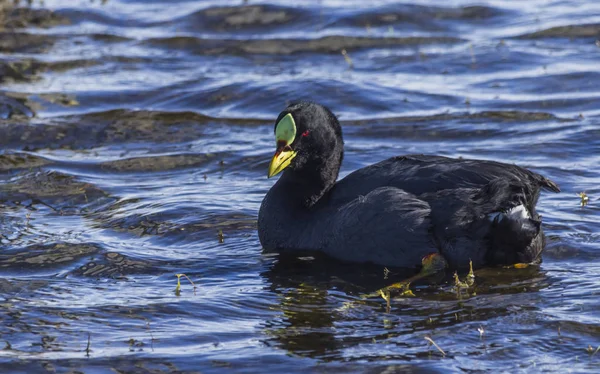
(398, 211)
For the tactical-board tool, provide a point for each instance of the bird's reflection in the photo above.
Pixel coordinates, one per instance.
(314, 290)
(308, 310)
(322, 272)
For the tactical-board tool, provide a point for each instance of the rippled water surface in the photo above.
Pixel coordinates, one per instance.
(133, 132)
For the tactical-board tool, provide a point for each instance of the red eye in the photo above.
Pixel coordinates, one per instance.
(305, 133)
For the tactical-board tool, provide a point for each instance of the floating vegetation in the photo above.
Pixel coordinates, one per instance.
(178, 287)
(347, 58)
(584, 199)
(591, 350)
(469, 281)
(431, 342)
(458, 284)
(134, 343)
(471, 276)
(60, 99)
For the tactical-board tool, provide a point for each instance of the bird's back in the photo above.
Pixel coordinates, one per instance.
(420, 174)
(477, 210)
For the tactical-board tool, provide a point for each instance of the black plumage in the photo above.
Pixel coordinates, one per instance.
(395, 212)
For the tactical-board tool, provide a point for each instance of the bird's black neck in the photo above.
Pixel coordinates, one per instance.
(308, 185)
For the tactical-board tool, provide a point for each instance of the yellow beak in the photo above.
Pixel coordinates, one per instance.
(280, 161)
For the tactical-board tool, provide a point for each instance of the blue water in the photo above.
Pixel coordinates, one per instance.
(133, 132)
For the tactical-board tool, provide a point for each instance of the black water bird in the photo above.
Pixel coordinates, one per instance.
(395, 212)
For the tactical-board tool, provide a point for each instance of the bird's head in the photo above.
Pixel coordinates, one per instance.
(308, 138)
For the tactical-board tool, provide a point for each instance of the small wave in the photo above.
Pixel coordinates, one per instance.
(591, 30)
(327, 44)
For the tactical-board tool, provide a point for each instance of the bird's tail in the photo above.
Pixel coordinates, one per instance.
(516, 237)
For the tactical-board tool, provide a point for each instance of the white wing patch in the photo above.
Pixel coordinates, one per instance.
(517, 213)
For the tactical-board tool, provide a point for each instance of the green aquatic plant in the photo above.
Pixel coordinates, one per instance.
(584, 199)
(385, 294)
(178, 286)
(458, 284)
(471, 276)
(469, 281)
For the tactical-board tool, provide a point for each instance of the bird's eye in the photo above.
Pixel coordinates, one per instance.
(305, 133)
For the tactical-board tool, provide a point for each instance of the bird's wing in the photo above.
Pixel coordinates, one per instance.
(418, 174)
(387, 226)
(493, 224)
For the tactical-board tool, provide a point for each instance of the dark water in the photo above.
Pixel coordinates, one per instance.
(132, 132)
